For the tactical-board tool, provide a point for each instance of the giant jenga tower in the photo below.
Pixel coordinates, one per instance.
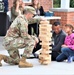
(45, 38)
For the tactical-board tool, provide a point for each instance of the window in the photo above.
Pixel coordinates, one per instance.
(27, 1)
(56, 3)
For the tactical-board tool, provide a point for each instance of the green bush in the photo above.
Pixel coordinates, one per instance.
(57, 3)
(72, 3)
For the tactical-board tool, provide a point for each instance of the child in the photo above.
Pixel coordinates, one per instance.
(68, 46)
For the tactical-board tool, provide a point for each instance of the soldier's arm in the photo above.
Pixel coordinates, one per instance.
(33, 20)
(24, 30)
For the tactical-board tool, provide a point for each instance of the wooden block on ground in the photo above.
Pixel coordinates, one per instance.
(44, 56)
(46, 62)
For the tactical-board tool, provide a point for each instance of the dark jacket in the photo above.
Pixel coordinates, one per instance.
(41, 10)
(58, 40)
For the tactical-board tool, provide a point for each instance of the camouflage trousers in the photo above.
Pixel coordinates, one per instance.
(12, 47)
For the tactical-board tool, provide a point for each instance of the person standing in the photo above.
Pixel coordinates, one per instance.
(17, 9)
(34, 28)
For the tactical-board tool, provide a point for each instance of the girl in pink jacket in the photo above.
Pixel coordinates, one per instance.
(67, 48)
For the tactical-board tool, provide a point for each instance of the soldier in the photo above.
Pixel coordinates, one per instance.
(17, 37)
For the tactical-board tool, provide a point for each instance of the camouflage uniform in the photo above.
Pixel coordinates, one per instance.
(17, 37)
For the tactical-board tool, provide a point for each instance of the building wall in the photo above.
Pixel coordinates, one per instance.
(66, 18)
(47, 4)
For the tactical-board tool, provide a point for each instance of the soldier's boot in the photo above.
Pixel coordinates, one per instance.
(24, 64)
(3, 57)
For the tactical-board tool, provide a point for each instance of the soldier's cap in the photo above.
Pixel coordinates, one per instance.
(30, 9)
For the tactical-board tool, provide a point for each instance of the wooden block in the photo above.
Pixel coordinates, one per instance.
(45, 48)
(45, 33)
(45, 38)
(46, 56)
(40, 61)
(45, 52)
(45, 30)
(50, 47)
(44, 22)
(46, 62)
(45, 43)
(45, 25)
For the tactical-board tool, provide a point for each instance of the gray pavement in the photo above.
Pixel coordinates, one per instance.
(54, 68)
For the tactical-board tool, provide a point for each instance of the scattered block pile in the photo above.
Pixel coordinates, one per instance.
(45, 38)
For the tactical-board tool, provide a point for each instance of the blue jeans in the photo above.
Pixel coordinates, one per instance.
(66, 52)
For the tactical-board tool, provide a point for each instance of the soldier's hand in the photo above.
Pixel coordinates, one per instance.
(36, 40)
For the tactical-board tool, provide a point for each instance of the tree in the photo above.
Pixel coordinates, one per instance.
(72, 3)
(57, 3)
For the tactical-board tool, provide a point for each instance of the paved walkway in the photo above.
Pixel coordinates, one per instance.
(54, 68)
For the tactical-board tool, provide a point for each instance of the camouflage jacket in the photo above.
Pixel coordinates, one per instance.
(19, 28)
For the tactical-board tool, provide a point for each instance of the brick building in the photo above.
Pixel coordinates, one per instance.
(47, 4)
(66, 13)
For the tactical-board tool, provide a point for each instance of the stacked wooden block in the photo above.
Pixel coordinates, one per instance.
(45, 38)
